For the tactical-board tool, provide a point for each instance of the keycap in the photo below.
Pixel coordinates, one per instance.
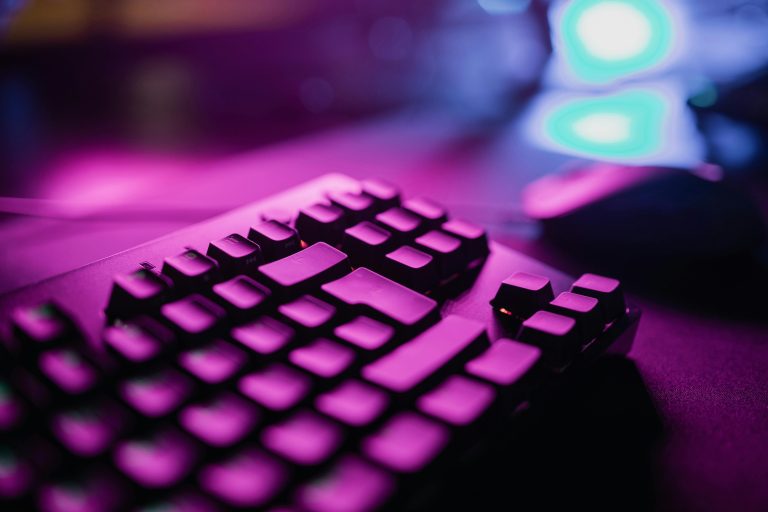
(432, 213)
(12, 409)
(213, 363)
(458, 400)
(351, 485)
(40, 325)
(372, 294)
(406, 443)
(427, 355)
(235, 254)
(305, 270)
(157, 393)
(308, 312)
(606, 290)
(265, 335)
(357, 206)
(353, 402)
(323, 358)
(276, 239)
(384, 195)
(304, 438)
(241, 296)
(366, 243)
(403, 225)
(94, 491)
(505, 362)
(89, 429)
(190, 270)
(365, 333)
(17, 475)
(555, 334)
(321, 223)
(522, 294)
(67, 370)
(141, 291)
(585, 310)
(137, 341)
(220, 421)
(445, 249)
(413, 268)
(250, 478)
(158, 460)
(472, 236)
(275, 387)
(193, 316)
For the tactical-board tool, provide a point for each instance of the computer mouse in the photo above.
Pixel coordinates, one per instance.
(662, 214)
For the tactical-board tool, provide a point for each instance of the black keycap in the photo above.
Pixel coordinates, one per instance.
(366, 244)
(236, 254)
(357, 206)
(385, 195)
(140, 291)
(305, 270)
(321, 223)
(139, 340)
(403, 225)
(522, 294)
(606, 290)
(505, 362)
(264, 336)
(365, 333)
(432, 213)
(446, 250)
(241, 296)
(413, 268)
(555, 334)
(190, 269)
(193, 316)
(213, 363)
(585, 310)
(275, 239)
(308, 312)
(40, 326)
(472, 236)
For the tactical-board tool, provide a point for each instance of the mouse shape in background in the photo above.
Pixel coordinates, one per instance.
(660, 214)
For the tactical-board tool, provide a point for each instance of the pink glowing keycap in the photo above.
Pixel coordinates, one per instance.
(308, 312)
(193, 316)
(322, 357)
(68, 370)
(458, 401)
(250, 478)
(221, 421)
(241, 295)
(264, 335)
(473, 238)
(307, 268)
(432, 213)
(364, 332)
(156, 394)
(401, 223)
(555, 334)
(521, 294)
(133, 342)
(606, 290)
(16, 476)
(275, 387)
(42, 324)
(214, 363)
(414, 268)
(351, 485)
(96, 492)
(406, 443)
(505, 362)
(353, 402)
(305, 438)
(88, 430)
(157, 461)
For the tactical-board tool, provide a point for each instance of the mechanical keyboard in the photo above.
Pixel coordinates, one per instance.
(332, 348)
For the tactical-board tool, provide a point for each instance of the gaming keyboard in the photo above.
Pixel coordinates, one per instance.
(332, 348)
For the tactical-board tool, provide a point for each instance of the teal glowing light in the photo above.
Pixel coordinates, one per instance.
(603, 40)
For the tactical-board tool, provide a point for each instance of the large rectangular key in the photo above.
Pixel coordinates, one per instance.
(303, 270)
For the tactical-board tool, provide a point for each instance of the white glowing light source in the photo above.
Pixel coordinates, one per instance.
(604, 128)
(614, 31)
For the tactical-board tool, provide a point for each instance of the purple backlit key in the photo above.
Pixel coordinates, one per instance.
(321, 223)
(306, 269)
(265, 335)
(585, 310)
(357, 206)
(472, 237)
(16, 473)
(96, 491)
(193, 316)
(157, 461)
(445, 249)
(432, 213)
(68, 371)
(458, 401)
(323, 358)
(275, 387)
(140, 291)
(414, 268)
(366, 333)
(378, 296)
(89, 430)
(235, 254)
(366, 243)
(406, 443)
(403, 225)
(427, 355)
(304, 438)
(190, 269)
(248, 479)
(505, 362)
(606, 290)
(12, 411)
(40, 325)
(156, 394)
(351, 485)
(353, 402)
(220, 421)
(522, 294)
(137, 341)
(384, 195)
(214, 363)
(555, 334)
(308, 312)
(275, 239)
(241, 295)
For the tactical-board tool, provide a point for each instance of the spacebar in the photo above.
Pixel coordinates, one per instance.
(428, 355)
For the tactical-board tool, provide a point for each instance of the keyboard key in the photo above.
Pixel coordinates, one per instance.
(275, 387)
(95, 491)
(156, 394)
(17, 475)
(458, 401)
(445, 249)
(384, 195)
(248, 479)
(307, 269)
(427, 355)
(68, 371)
(365, 333)
(353, 402)
(366, 243)
(241, 296)
(159, 460)
(585, 310)
(606, 290)
(214, 363)
(275, 239)
(305, 438)
(321, 223)
(432, 213)
(12, 410)
(505, 362)
(140, 291)
(413, 268)
(137, 341)
(87, 430)
(235, 254)
(193, 316)
(555, 334)
(323, 358)
(265, 335)
(40, 325)
(190, 269)
(406, 443)
(522, 294)
(372, 294)
(220, 421)
(403, 225)
(351, 485)
(473, 237)
(357, 206)
(308, 312)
